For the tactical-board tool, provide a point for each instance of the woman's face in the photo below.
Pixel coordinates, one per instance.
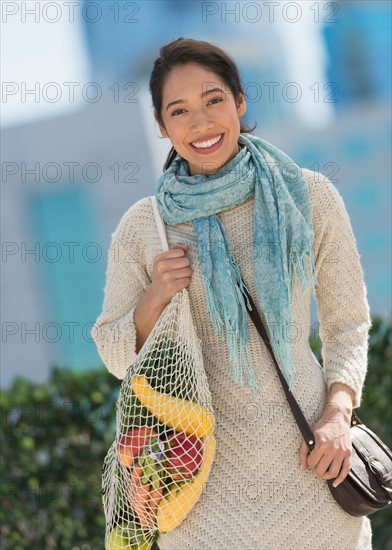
(201, 116)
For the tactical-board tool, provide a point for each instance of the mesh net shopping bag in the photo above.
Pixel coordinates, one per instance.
(157, 466)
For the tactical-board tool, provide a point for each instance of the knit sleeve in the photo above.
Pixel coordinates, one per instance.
(114, 331)
(341, 294)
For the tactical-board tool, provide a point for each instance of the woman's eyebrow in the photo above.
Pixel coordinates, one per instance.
(212, 91)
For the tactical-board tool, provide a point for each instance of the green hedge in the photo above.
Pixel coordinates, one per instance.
(54, 437)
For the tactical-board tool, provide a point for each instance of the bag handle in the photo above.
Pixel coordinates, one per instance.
(165, 245)
(160, 224)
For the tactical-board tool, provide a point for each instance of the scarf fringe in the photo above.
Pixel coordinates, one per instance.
(245, 362)
(236, 337)
(215, 310)
(240, 358)
(307, 274)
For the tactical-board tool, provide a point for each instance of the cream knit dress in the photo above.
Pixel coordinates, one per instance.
(256, 496)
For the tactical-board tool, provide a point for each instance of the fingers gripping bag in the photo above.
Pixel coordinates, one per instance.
(156, 468)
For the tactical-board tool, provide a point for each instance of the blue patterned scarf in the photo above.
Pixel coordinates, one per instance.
(283, 238)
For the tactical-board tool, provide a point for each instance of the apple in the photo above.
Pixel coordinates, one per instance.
(132, 443)
(184, 456)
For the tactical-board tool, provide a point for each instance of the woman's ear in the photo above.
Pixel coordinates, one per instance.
(161, 128)
(241, 105)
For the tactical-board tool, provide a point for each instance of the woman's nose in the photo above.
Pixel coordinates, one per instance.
(201, 122)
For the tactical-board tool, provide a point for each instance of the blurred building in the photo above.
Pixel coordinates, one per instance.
(359, 51)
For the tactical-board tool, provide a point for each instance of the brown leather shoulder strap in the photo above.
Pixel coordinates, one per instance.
(298, 415)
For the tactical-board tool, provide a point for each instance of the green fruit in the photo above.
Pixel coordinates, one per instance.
(117, 541)
(127, 537)
(143, 546)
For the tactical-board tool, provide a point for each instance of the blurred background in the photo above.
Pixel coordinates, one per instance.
(80, 145)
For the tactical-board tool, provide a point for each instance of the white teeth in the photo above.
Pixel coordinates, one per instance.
(206, 144)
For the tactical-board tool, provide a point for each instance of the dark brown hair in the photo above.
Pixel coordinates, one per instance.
(187, 50)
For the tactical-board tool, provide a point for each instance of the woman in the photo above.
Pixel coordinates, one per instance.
(286, 231)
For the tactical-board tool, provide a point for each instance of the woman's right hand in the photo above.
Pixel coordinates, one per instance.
(171, 272)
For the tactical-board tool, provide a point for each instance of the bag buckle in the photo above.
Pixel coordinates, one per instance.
(372, 460)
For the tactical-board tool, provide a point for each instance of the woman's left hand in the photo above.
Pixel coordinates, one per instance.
(331, 455)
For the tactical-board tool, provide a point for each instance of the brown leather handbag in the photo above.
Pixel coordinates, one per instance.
(368, 486)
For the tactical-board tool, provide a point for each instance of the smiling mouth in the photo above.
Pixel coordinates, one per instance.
(208, 144)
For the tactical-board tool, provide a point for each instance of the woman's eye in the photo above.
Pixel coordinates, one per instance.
(218, 99)
(174, 113)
